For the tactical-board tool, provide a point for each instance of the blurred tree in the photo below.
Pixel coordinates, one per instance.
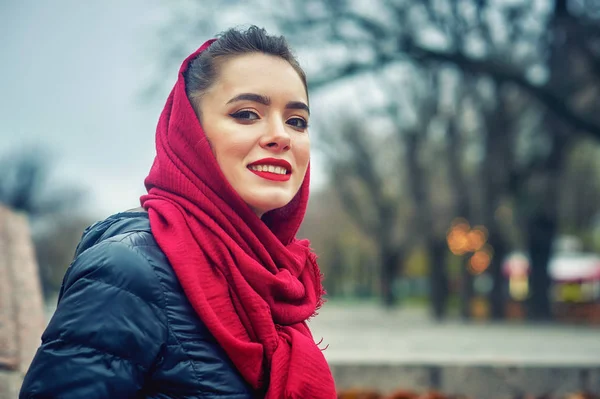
(501, 111)
(459, 180)
(346, 255)
(510, 42)
(55, 246)
(485, 38)
(26, 186)
(580, 194)
(517, 61)
(390, 178)
(572, 60)
(368, 193)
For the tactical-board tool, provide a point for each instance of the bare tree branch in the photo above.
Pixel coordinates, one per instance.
(504, 73)
(497, 70)
(354, 209)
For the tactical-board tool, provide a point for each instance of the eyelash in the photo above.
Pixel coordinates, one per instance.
(243, 115)
(239, 115)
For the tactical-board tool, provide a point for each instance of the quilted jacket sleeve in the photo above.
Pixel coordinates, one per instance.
(107, 332)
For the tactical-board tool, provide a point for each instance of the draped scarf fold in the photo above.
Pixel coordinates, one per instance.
(249, 280)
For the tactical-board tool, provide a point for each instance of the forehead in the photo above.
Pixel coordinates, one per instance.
(259, 73)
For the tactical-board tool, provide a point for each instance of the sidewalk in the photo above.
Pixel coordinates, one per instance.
(369, 334)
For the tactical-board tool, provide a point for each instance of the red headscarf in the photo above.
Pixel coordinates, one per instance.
(249, 280)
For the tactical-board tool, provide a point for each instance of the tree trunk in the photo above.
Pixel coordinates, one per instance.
(497, 294)
(494, 185)
(466, 289)
(542, 212)
(438, 278)
(389, 267)
(335, 276)
(462, 204)
(541, 231)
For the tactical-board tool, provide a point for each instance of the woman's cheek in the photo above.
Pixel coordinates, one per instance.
(304, 153)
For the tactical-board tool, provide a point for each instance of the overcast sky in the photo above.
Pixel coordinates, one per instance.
(70, 82)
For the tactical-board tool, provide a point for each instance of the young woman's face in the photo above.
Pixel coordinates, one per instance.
(255, 116)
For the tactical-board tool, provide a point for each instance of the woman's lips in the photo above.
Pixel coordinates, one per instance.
(271, 176)
(276, 165)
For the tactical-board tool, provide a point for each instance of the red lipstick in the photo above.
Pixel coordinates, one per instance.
(274, 162)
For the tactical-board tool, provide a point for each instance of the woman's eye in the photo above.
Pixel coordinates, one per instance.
(298, 123)
(245, 115)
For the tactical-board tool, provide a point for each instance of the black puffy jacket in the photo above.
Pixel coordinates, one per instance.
(123, 327)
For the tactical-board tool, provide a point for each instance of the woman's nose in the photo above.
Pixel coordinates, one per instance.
(277, 138)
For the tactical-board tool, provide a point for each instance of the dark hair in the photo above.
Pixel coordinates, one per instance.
(203, 71)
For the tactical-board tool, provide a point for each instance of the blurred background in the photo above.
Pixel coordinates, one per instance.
(456, 172)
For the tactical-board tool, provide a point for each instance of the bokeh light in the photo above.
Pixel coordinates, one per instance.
(477, 238)
(458, 237)
(463, 239)
(480, 260)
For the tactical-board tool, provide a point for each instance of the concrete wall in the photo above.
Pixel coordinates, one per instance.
(476, 381)
(22, 318)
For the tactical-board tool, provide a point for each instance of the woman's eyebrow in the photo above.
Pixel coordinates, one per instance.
(259, 98)
(297, 105)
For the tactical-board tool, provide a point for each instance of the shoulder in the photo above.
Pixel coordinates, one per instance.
(118, 264)
(119, 252)
(109, 328)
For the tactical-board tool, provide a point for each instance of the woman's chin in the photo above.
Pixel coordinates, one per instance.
(260, 206)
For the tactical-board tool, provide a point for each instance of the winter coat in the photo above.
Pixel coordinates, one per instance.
(124, 328)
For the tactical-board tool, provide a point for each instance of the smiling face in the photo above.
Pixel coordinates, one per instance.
(255, 117)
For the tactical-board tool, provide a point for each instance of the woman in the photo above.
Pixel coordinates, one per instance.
(205, 292)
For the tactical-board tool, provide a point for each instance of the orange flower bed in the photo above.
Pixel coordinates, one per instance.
(358, 393)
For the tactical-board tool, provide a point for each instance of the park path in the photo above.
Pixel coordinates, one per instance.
(366, 333)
